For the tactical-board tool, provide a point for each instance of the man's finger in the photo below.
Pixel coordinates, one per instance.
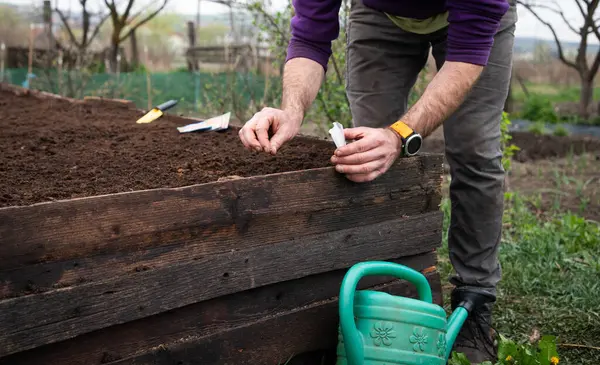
(262, 131)
(366, 168)
(281, 136)
(362, 145)
(248, 136)
(358, 158)
(355, 133)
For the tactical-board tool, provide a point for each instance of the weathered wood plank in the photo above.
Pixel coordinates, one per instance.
(208, 240)
(204, 318)
(271, 341)
(34, 320)
(232, 214)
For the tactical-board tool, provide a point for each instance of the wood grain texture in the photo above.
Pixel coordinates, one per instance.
(218, 216)
(34, 320)
(271, 341)
(202, 319)
(262, 230)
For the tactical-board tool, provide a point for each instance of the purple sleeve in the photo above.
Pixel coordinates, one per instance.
(471, 30)
(314, 26)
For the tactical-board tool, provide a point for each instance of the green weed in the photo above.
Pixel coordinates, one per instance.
(560, 131)
(539, 109)
(537, 128)
(543, 352)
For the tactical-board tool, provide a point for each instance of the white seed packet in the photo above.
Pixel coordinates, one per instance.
(214, 124)
(337, 134)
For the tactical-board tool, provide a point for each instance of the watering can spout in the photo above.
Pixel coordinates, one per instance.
(469, 299)
(455, 323)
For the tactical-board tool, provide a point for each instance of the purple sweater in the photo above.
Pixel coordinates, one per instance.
(471, 30)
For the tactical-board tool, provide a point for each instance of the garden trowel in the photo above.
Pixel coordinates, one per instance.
(156, 112)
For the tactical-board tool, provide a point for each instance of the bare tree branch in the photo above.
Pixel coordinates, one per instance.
(144, 21)
(561, 54)
(65, 22)
(97, 29)
(583, 14)
(559, 12)
(127, 11)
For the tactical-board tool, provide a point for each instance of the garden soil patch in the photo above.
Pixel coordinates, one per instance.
(532, 146)
(54, 149)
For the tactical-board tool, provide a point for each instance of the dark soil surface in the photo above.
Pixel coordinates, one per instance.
(53, 149)
(535, 147)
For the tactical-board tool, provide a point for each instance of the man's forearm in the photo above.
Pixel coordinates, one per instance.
(302, 78)
(444, 94)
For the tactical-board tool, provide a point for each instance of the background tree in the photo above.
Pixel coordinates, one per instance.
(125, 22)
(87, 33)
(587, 27)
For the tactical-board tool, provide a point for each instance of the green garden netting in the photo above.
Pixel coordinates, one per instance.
(194, 91)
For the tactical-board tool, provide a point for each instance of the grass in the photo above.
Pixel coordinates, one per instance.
(553, 93)
(540, 105)
(551, 279)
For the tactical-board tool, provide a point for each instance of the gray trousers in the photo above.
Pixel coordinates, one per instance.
(383, 63)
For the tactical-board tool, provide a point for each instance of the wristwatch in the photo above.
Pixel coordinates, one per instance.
(411, 140)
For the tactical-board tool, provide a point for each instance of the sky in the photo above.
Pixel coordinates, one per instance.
(527, 25)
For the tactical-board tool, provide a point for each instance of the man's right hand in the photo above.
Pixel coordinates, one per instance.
(284, 124)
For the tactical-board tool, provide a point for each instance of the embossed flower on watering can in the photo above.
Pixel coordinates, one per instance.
(441, 345)
(383, 332)
(418, 339)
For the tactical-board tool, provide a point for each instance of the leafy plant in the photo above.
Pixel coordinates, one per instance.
(539, 109)
(560, 131)
(508, 148)
(537, 128)
(542, 352)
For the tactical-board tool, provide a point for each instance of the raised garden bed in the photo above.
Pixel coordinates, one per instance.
(131, 244)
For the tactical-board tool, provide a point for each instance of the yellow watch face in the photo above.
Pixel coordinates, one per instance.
(402, 129)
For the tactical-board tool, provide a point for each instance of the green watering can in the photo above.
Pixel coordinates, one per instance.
(379, 328)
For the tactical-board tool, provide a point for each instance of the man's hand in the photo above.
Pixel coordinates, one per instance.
(374, 151)
(255, 133)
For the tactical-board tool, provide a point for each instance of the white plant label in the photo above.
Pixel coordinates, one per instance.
(337, 134)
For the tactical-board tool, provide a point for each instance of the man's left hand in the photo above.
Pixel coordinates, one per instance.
(372, 153)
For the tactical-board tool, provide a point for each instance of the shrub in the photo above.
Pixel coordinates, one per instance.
(560, 131)
(539, 109)
(537, 128)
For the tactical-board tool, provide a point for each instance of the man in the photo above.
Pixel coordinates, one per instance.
(388, 44)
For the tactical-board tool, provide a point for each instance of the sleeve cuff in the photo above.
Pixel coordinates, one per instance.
(319, 53)
(471, 30)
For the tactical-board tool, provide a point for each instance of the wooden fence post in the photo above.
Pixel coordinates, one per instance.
(60, 70)
(30, 57)
(148, 80)
(2, 60)
(192, 61)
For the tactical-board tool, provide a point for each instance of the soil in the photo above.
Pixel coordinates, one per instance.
(533, 147)
(563, 184)
(54, 149)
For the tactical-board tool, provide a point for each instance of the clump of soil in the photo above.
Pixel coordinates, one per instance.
(53, 149)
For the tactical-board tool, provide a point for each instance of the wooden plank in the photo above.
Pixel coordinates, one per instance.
(204, 318)
(229, 215)
(271, 341)
(206, 241)
(34, 320)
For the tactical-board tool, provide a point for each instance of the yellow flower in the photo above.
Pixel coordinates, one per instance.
(509, 358)
(554, 360)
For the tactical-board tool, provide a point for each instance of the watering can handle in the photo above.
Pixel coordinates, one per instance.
(352, 338)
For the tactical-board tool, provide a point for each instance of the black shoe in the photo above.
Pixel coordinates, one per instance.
(476, 338)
